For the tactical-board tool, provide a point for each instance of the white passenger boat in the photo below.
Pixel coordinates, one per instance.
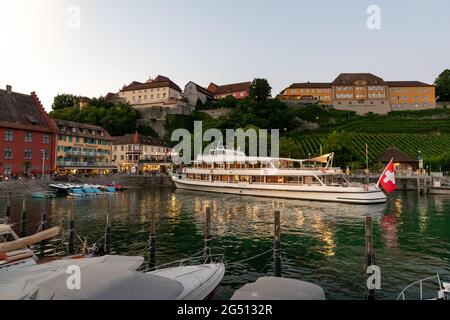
(231, 171)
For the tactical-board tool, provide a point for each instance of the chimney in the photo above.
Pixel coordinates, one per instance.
(8, 89)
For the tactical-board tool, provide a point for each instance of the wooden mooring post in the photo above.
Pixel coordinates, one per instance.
(152, 244)
(70, 245)
(23, 218)
(107, 246)
(44, 222)
(369, 256)
(208, 237)
(8, 205)
(277, 244)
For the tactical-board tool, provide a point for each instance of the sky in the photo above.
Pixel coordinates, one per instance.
(92, 47)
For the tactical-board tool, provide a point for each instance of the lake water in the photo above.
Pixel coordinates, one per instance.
(321, 242)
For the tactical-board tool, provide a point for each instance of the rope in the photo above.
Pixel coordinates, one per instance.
(251, 258)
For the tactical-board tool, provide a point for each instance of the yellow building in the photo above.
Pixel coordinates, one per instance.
(308, 92)
(82, 149)
(134, 153)
(411, 95)
(363, 93)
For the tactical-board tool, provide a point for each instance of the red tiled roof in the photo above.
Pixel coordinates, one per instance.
(158, 82)
(136, 138)
(407, 84)
(81, 129)
(203, 90)
(23, 111)
(350, 78)
(230, 88)
(308, 85)
(398, 155)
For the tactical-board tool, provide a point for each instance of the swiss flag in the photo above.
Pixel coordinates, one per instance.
(387, 179)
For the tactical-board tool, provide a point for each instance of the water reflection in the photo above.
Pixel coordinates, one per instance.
(321, 242)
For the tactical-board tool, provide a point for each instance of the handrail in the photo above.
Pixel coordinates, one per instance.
(420, 282)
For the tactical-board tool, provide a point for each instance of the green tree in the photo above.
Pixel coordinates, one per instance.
(228, 102)
(116, 118)
(289, 148)
(62, 101)
(260, 90)
(341, 144)
(442, 84)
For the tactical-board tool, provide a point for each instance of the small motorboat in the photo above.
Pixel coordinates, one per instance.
(275, 288)
(76, 192)
(88, 191)
(109, 190)
(118, 187)
(199, 281)
(97, 191)
(43, 194)
(110, 278)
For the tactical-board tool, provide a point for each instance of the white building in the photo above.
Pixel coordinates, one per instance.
(150, 93)
(194, 93)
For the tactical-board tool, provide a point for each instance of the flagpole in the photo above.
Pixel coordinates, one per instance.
(367, 163)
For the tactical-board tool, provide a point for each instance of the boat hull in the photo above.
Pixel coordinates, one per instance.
(357, 195)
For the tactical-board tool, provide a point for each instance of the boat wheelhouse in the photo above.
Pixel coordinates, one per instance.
(231, 171)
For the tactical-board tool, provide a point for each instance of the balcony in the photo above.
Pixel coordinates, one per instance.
(85, 153)
(81, 164)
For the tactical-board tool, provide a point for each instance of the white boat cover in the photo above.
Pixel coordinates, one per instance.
(108, 283)
(108, 277)
(273, 288)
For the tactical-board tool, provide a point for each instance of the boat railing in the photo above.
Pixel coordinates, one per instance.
(198, 258)
(420, 283)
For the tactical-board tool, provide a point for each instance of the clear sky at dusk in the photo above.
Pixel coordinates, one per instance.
(284, 41)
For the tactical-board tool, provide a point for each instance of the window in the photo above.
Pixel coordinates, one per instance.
(121, 157)
(7, 170)
(8, 153)
(46, 155)
(46, 138)
(122, 148)
(9, 135)
(28, 154)
(28, 137)
(70, 138)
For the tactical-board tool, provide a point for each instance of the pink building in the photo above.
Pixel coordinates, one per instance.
(237, 90)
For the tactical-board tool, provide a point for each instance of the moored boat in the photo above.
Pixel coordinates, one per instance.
(43, 194)
(76, 192)
(232, 172)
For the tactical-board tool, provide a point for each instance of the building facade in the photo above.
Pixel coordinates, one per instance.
(152, 92)
(411, 95)
(364, 93)
(237, 90)
(83, 149)
(194, 93)
(318, 92)
(28, 136)
(134, 153)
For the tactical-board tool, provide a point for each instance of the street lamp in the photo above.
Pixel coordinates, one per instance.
(43, 163)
